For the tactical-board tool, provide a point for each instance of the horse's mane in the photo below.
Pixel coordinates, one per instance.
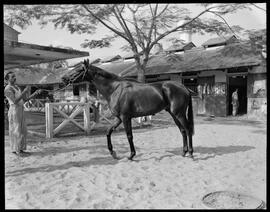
(109, 75)
(129, 79)
(104, 73)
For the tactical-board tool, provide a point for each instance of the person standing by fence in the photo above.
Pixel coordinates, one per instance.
(16, 116)
(235, 102)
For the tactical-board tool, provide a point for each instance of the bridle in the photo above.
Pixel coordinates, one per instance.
(70, 83)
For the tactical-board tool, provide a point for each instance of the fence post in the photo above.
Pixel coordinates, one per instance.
(86, 117)
(49, 120)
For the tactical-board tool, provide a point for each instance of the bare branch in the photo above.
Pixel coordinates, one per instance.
(152, 26)
(165, 8)
(151, 10)
(224, 22)
(178, 27)
(122, 22)
(106, 25)
(140, 40)
(257, 7)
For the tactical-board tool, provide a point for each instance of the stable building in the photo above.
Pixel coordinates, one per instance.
(213, 73)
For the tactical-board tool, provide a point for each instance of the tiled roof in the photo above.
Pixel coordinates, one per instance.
(234, 55)
(219, 40)
(111, 58)
(178, 47)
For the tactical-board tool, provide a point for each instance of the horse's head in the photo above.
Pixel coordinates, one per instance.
(88, 72)
(78, 74)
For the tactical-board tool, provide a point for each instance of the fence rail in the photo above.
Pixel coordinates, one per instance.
(35, 105)
(69, 111)
(78, 108)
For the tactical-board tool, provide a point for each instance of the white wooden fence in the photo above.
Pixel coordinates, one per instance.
(68, 111)
(37, 105)
(69, 116)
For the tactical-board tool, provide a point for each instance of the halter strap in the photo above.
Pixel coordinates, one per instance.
(59, 89)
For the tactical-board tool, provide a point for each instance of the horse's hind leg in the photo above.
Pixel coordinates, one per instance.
(184, 122)
(183, 132)
(128, 129)
(109, 132)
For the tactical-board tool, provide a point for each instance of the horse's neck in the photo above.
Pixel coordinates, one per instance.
(106, 88)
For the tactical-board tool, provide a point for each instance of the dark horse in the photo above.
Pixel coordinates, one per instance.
(128, 99)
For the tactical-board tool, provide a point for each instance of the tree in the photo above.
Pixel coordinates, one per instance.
(257, 39)
(142, 26)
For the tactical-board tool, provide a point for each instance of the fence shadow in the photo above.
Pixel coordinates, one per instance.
(107, 160)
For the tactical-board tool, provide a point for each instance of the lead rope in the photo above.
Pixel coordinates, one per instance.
(59, 89)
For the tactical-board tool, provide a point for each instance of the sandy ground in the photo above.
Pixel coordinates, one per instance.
(78, 172)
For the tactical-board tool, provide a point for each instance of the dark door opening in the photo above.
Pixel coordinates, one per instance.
(76, 90)
(240, 83)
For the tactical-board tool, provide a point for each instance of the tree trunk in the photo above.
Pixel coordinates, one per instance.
(141, 74)
(140, 70)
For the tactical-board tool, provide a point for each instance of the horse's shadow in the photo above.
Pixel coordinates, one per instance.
(204, 153)
(200, 153)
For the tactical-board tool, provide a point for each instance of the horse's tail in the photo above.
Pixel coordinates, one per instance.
(190, 115)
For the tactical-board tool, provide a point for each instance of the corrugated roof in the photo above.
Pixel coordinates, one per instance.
(38, 76)
(17, 54)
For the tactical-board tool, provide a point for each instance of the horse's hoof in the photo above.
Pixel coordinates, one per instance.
(184, 154)
(190, 156)
(131, 156)
(113, 153)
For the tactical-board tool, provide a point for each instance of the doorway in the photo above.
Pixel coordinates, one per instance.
(240, 83)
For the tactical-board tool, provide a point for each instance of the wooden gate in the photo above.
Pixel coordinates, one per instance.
(69, 116)
(37, 105)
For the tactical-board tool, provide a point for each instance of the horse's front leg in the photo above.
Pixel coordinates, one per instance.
(109, 132)
(128, 129)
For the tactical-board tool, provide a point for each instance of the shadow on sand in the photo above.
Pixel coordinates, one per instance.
(108, 160)
(200, 153)
(211, 152)
(54, 151)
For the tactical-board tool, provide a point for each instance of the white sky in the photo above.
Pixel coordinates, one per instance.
(254, 19)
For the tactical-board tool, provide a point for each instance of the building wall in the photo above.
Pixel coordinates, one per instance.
(215, 103)
(212, 98)
(67, 93)
(257, 95)
(175, 77)
(220, 76)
